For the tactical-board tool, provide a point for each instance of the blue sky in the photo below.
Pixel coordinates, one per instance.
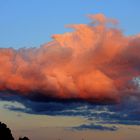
(28, 23)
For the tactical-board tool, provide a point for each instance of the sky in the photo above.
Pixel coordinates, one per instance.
(70, 69)
(31, 23)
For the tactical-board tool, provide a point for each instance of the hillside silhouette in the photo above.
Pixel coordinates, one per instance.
(5, 133)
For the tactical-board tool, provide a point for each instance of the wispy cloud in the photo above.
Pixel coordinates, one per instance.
(95, 127)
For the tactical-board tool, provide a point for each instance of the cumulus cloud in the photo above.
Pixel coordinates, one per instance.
(96, 62)
(96, 66)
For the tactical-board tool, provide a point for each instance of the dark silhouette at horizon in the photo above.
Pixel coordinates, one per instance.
(6, 134)
(24, 138)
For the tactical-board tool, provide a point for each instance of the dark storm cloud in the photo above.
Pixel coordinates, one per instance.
(125, 113)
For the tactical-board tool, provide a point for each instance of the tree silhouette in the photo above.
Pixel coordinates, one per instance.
(5, 133)
(25, 138)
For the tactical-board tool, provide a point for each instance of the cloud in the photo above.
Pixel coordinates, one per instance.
(125, 113)
(96, 63)
(93, 72)
(95, 127)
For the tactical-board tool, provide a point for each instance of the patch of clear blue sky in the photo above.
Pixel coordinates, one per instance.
(28, 23)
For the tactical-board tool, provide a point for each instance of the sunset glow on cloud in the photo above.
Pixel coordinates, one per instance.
(95, 63)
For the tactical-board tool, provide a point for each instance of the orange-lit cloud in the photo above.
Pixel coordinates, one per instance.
(95, 62)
